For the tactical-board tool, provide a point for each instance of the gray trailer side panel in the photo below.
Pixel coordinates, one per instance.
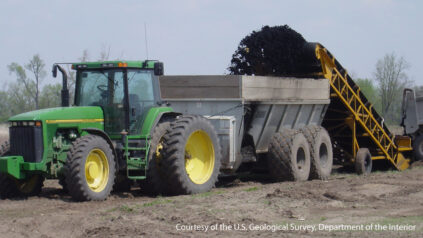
(275, 103)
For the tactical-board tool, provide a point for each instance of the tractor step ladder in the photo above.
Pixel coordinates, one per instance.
(389, 148)
(136, 166)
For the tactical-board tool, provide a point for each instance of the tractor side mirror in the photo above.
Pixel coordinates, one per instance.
(54, 70)
(158, 68)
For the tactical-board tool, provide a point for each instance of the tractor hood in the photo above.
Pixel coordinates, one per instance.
(61, 113)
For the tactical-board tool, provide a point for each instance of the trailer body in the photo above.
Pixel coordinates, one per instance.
(247, 108)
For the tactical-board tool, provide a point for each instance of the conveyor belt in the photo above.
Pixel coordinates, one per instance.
(351, 119)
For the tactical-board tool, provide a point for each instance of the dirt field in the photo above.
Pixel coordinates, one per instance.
(384, 204)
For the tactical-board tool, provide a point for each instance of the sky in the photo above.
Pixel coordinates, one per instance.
(199, 37)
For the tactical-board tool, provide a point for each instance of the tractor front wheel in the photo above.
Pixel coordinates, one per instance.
(11, 187)
(90, 169)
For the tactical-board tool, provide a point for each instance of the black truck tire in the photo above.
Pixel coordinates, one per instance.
(90, 169)
(11, 187)
(363, 161)
(289, 156)
(321, 153)
(154, 183)
(192, 154)
(418, 147)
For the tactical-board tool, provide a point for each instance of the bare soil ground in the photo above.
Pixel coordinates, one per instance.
(240, 206)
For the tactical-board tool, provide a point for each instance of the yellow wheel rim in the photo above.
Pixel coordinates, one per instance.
(96, 170)
(199, 157)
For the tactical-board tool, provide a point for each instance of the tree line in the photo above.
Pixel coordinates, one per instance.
(385, 89)
(28, 92)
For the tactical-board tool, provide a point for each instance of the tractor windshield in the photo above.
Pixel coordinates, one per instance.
(100, 88)
(104, 88)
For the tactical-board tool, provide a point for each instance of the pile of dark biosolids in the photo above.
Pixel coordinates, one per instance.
(274, 51)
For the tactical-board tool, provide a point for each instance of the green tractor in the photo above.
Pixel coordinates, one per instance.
(117, 133)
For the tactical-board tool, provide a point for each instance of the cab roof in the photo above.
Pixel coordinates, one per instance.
(146, 64)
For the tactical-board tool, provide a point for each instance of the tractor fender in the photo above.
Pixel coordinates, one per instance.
(163, 116)
(98, 132)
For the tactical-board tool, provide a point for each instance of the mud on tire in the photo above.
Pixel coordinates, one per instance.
(321, 153)
(289, 156)
(76, 168)
(190, 138)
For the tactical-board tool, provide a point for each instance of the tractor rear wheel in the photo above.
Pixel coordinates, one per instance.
(192, 154)
(320, 151)
(90, 169)
(363, 161)
(11, 187)
(153, 184)
(289, 156)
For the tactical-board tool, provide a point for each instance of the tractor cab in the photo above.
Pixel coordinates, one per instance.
(124, 90)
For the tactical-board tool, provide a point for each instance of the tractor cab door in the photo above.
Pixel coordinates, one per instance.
(141, 97)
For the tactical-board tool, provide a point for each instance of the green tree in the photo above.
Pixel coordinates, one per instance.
(50, 96)
(20, 99)
(392, 78)
(370, 90)
(4, 106)
(32, 85)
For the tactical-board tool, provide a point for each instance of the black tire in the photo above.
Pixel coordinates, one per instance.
(289, 156)
(177, 152)
(75, 168)
(11, 187)
(154, 183)
(363, 161)
(418, 148)
(321, 153)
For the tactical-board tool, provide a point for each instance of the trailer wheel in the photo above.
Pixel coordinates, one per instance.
(320, 151)
(11, 187)
(153, 184)
(418, 147)
(363, 161)
(289, 156)
(192, 155)
(90, 169)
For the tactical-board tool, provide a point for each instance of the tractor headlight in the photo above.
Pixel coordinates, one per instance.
(31, 123)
